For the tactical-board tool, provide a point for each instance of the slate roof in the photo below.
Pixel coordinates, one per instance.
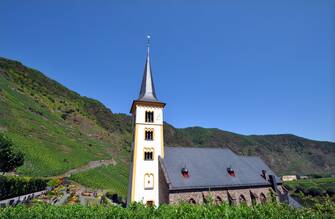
(208, 168)
(256, 163)
(147, 92)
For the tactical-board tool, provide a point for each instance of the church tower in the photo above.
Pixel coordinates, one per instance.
(148, 144)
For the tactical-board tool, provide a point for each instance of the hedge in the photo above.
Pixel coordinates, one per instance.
(12, 186)
(268, 211)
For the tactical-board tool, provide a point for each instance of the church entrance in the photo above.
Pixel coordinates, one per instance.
(150, 203)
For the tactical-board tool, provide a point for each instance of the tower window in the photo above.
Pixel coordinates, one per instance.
(148, 181)
(148, 153)
(149, 116)
(149, 134)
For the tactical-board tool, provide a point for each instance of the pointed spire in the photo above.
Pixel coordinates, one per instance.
(147, 92)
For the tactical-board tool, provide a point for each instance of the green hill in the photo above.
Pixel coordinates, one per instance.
(286, 154)
(57, 130)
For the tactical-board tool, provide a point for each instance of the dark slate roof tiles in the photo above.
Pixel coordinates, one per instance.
(208, 168)
(147, 92)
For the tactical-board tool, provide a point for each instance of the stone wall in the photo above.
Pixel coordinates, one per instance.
(163, 187)
(232, 196)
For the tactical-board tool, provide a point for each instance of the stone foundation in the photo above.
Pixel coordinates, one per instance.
(247, 196)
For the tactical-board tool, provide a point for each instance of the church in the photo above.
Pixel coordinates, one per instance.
(171, 175)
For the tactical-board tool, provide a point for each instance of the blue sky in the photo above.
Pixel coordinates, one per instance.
(251, 67)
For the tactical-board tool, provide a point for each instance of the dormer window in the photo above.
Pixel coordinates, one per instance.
(231, 171)
(149, 134)
(149, 116)
(263, 174)
(185, 173)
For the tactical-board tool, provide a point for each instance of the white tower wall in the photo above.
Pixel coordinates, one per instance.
(140, 167)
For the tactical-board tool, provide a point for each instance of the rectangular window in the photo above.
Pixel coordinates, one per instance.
(149, 116)
(149, 135)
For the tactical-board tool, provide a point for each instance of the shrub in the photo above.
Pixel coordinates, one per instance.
(270, 210)
(300, 189)
(114, 197)
(9, 158)
(289, 187)
(314, 191)
(16, 186)
(54, 182)
(330, 191)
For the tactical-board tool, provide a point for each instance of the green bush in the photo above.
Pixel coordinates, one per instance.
(9, 158)
(271, 210)
(314, 191)
(54, 182)
(331, 191)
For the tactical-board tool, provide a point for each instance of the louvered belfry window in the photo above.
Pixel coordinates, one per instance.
(149, 116)
(148, 156)
(148, 153)
(149, 134)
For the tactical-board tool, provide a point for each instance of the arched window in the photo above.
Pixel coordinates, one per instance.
(231, 199)
(148, 153)
(191, 201)
(242, 200)
(262, 198)
(253, 197)
(204, 199)
(149, 134)
(148, 181)
(218, 200)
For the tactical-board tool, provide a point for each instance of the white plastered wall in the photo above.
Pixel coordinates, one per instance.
(140, 194)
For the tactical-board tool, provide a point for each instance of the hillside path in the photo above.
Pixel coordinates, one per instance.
(88, 166)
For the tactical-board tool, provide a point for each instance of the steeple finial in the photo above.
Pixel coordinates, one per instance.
(148, 44)
(147, 92)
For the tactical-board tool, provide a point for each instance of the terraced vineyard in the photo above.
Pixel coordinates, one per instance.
(52, 126)
(311, 191)
(111, 178)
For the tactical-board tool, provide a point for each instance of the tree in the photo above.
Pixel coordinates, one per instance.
(9, 159)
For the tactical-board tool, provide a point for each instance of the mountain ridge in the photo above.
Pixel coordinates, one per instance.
(43, 116)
